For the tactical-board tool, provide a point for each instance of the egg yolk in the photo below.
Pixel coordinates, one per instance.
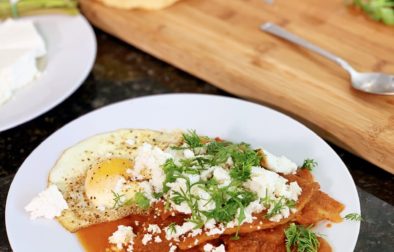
(108, 178)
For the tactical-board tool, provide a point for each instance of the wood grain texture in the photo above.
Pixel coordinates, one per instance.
(220, 42)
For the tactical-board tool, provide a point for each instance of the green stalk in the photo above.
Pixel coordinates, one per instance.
(380, 10)
(37, 7)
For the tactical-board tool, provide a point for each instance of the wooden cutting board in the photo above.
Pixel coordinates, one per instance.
(220, 42)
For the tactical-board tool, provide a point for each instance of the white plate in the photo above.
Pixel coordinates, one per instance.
(71, 46)
(228, 118)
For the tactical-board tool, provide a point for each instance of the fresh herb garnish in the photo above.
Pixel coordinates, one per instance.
(231, 200)
(291, 204)
(353, 217)
(243, 163)
(243, 157)
(309, 164)
(227, 201)
(172, 172)
(118, 199)
(172, 227)
(278, 205)
(301, 238)
(139, 199)
(380, 10)
(157, 195)
(191, 141)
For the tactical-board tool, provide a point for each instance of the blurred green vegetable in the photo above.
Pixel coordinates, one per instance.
(37, 7)
(380, 10)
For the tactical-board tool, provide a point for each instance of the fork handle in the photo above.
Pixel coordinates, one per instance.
(282, 33)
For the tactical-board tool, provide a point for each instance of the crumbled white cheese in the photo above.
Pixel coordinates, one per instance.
(172, 248)
(147, 190)
(179, 230)
(269, 184)
(254, 207)
(175, 154)
(229, 162)
(130, 248)
(294, 191)
(285, 212)
(188, 153)
(265, 182)
(232, 224)
(48, 204)
(150, 159)
(279, 164)
(134, 174)
(158, 239)
(205, 203)
(154, 229)
(177, 186)
(207, 174)
(182, 208)
(123, 236)
(220, 248)
(147, 238)
(210, 248)
(216, 230)
(119, 184)
(211, 223)
(222, 176)
(196, 232)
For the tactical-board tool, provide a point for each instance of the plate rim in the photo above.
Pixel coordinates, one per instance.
(60, 98)
(214, 96)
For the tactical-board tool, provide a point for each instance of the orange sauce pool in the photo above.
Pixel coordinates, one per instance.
(95, 238)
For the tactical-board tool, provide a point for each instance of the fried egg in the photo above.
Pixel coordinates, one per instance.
(93, 173)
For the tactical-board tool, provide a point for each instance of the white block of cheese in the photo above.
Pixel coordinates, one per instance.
(20, 46)
(21, 34)
(17, 68)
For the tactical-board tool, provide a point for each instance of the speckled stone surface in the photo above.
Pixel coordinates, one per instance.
(123, 72)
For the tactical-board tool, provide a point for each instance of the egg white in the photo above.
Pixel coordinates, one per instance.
(90, 172)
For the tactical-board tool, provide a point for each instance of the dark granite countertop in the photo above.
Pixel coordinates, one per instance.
(121, 72)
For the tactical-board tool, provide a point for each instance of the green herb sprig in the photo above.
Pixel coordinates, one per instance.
(309, 164)
(231, 200)
(139, 199)
(353, 217)
(380, 10)
(172, 228)
(118, 199)
(278, 205)
(301, 239)
(243, 157)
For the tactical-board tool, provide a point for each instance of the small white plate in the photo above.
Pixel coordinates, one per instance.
(228, 118)
(71, 46)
